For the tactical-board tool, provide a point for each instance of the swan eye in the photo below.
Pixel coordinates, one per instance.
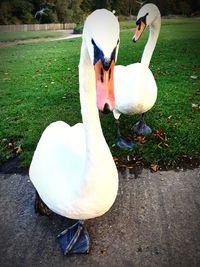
(142, 19)
(98, 53)
(113, 54)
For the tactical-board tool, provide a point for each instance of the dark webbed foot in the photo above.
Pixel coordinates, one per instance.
(40, 206)
(141, 127)
(125, 143)
(74, 240)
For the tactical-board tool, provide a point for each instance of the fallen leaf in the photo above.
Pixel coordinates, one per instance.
(130, 167)
(160, 145)
(195, 106)
(194, 77)
(154, 167)
(9, 145)
(18, 150)
(170, 117)
(160, 134)
(141, 139)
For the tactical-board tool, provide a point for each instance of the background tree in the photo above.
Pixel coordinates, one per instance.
(62, 11)
(87, 6)
(23, 11)
(5, 12)
(16, 12)
(77, 13)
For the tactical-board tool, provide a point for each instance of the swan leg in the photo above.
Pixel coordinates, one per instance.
(123, 142)
(74, 240)
(40, 206)
(141, 127)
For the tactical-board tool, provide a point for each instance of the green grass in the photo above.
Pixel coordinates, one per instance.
(129, 24)
(39, 85)
(13, 36)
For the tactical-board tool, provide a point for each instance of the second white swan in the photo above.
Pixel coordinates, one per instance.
(135, 86)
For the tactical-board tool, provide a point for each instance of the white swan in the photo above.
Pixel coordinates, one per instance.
(135, 86)
(79, 180)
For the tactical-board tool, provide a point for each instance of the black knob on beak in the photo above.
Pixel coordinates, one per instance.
(106, 109)
(106, 64)
(133, 39)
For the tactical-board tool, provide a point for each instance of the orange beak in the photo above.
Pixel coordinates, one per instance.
(105, 87)
(139, 30)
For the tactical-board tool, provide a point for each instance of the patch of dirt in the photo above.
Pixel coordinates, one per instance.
(12, 166)
(181, 164)
(135, 166)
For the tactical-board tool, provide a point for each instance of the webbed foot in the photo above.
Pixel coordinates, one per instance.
(74, 239)
(125, 143)
(40, 206)
(141, 128)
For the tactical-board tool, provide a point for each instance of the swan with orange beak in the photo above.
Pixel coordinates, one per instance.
(68, 176)
(135, 85)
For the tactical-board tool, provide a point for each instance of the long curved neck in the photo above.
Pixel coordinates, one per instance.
(154, 30)
(93, 133)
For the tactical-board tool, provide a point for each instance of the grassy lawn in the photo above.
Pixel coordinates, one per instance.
(129, 24)
(39, 85)
(13, 36)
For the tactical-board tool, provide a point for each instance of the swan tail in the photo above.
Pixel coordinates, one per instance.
(74, 240)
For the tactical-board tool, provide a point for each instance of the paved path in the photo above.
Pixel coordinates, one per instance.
(155, 221)
(67, 34)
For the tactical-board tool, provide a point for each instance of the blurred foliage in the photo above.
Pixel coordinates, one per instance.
(43, 11)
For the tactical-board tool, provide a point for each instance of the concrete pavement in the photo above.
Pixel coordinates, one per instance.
(155, 221)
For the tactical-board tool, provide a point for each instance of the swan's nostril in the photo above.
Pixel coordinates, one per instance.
(106, 109)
